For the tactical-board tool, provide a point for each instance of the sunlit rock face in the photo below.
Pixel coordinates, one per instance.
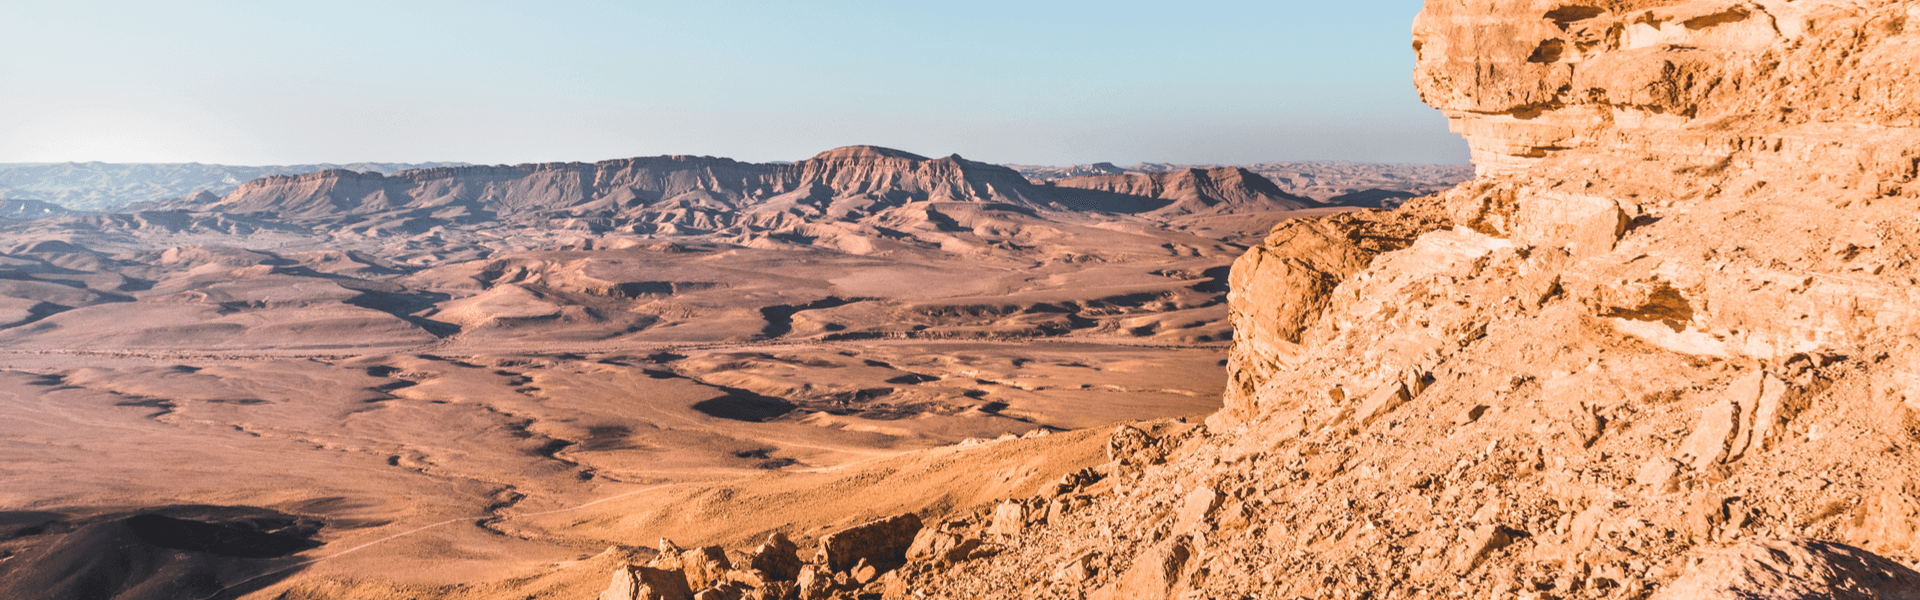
(1779, 82)
(1667, 344)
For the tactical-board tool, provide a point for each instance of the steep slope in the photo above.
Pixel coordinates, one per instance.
(1197, 191)
(1665, 346)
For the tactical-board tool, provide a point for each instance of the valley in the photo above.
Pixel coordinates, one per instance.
(464, 375)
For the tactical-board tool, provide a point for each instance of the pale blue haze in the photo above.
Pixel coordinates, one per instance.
(495, 82)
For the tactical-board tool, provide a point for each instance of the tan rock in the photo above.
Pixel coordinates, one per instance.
(863, 573)
(1707, 444)
(1382, 401)
(1077, 569)
(1889, 517)
(704, 566)
(1658, 473)
(634, 582)
(941, 546)
(1585, 225)
(1705, 516)
(1070, 483)
(882, 543)
(778, 559)
(1763, 404)
(814, 583)
(1793, 570)
(1155, 574)
(1129, 444)
(1009, 519)
(1477, 545)
(1196, 511)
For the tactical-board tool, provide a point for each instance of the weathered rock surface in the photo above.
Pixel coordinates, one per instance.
(1794, 570)
(1675, 313)
(879, 542)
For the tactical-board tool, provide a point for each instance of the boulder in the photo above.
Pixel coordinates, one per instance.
(1154, 574)
(1009, 519)
(777, 560)
(635, 582)
(1196, 510)
(932, 545)
(1129, 444)
(882, 543)
(704, 566)
(1793, 570)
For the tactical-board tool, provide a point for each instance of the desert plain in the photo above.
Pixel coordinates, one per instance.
(472, 381)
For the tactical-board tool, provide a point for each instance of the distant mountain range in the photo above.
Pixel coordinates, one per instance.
(98, 186)
(33, 209)
(869, 191)
(107, 187)
(1334, 182)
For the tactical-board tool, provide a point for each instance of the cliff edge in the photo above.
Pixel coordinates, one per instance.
(1667, 344)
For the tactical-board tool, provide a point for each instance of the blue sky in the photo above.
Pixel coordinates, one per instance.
(1033, 82)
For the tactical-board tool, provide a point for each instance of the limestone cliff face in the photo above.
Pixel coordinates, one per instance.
(1676, 317)
(1686, 82)
(1721, 134)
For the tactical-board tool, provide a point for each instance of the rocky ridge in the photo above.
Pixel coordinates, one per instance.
(1197, 191)
(1663, 347)
(1334, 182)
(865, 187)
(99, 186)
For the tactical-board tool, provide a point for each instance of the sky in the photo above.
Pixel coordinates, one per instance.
(1033, 82)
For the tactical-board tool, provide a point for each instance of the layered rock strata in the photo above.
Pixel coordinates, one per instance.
(1665, 345)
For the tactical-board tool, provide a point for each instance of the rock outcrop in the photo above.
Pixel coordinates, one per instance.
(1678, 312)
(850, 562)
(1675, 313)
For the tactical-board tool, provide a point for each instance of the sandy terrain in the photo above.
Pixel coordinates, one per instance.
(454, 399)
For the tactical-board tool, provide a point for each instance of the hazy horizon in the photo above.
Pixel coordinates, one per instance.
(488, 83)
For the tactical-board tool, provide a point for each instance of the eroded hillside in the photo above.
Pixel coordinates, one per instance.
(1662, 347)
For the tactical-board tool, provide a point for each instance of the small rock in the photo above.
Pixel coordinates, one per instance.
(863, 573)
(1009, 519)
(1076, 569)
(1658, 473)
(1070, 483)
(1383, 401)
(1705, 515)
(1482, 542)
(1470, 415)
(1587, 426)
(1152, 576)
(1706, 445)
(1195, 511)
(814, 583)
